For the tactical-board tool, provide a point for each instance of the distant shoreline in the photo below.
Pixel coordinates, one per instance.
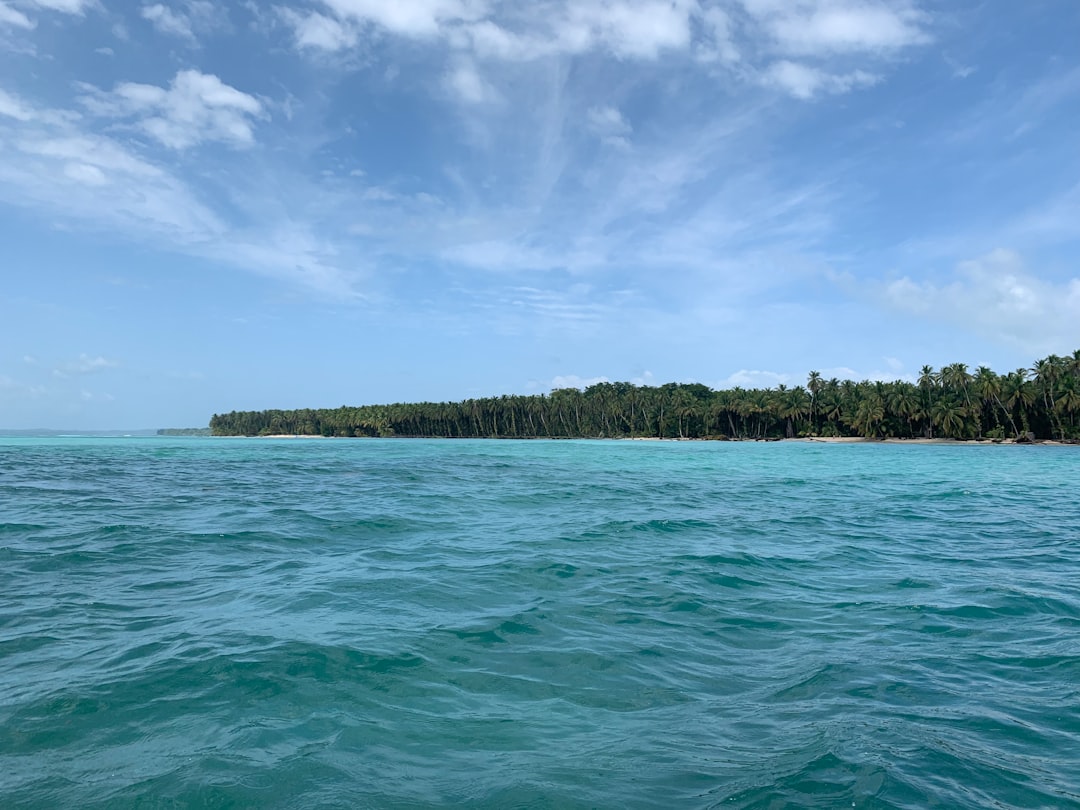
(803, 439)
(951, 403)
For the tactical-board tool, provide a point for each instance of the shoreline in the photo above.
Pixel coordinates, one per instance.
(803, 439)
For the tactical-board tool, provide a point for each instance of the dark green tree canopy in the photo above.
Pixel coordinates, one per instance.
(951, 403)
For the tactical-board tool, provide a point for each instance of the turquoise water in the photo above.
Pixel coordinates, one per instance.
(297, 624)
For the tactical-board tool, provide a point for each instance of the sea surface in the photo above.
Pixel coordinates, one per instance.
(233, 623)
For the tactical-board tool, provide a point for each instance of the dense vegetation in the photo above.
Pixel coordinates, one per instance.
(1041, 402)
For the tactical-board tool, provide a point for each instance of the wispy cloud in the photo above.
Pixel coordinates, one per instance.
(11, 389)
(13, 107)
(195, 108)
(65, 7)
(528, 190)
(608, 124)
(805, 82)
(90, 396)
(14, 18)
(186, 19)
(638, 30)
(58, 163)
(313, 30)
(85, 364)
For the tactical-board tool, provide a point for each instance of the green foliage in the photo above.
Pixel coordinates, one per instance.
(951, 403)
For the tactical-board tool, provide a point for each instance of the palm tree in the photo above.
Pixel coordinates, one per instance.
(902, 399)
(814, 384)
(956, 377)
(1019, 395)
(792, 407)
(948, 414)
(988, 386)
(928, 384)
(1047, 372)
(869, 414)
(1068, 400)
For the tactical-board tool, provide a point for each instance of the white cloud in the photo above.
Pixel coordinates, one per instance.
(641, 29)
(804, 82)
(14, 17)
(411, 18)
(719, 42)
(112, 188)
(494, 42)
(996, 297)
(195, 16)
(959, 70)
(64, 6)
(746, 378)
(90, 396)
(581, 383)
(825, 27)
(510, 255)
(746, 39)
(167, 21)
(290, 252)
(85, 364)
(196, 108)
(608, 124)
(626, 28)
(13, 107)
(574, 381)
(465, 82)
(53, 163)
(315, 30)
(102, 153)
(86, 174)
(536, 311)
(14, 389)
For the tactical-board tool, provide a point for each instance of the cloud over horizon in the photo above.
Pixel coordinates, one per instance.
(573, 190)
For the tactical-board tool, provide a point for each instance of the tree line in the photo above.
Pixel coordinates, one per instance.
(1041, 402)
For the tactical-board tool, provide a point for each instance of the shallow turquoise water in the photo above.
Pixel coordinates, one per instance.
(295, 624)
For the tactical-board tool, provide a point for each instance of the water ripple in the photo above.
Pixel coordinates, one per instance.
(287, 624)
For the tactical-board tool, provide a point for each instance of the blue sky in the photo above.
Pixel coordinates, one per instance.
(207, 207)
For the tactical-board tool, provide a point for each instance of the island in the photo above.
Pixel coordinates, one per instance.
(1026, 405)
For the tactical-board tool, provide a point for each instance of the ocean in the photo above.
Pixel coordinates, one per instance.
(234, 623)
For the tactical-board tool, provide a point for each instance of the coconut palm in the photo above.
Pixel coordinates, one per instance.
(957, 378)
(948, 414)
(1047, 372)
(903, 400)
(989, 387)
(1068, 399)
